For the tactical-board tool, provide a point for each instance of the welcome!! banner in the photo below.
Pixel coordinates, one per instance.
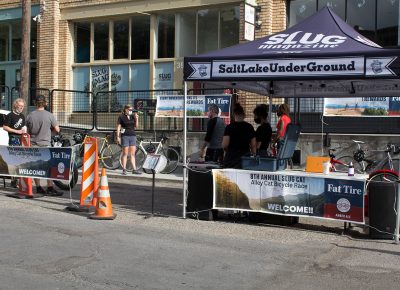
(293, 194)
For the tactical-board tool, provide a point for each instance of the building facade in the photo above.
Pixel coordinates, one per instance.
(138, 45)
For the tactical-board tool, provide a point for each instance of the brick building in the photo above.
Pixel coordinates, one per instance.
(121, 45)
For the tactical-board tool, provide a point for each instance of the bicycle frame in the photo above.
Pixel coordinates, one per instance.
(158, 148)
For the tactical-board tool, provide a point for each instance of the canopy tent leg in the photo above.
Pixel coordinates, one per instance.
(184, 153)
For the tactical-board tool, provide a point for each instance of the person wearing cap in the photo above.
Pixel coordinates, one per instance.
(14, 124)
(40, 123)
(126, 136)
(264, 130)
(211, 149)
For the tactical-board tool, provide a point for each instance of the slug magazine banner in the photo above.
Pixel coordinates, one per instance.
(196, 105)
(36, 162)
(289, 194)
(362, 107)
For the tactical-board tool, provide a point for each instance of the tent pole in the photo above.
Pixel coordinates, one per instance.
(271, 94)
(184, 152)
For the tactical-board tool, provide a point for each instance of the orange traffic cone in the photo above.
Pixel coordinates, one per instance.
(104, 207)
(25, 183)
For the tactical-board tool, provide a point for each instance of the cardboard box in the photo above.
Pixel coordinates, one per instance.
(314, 163)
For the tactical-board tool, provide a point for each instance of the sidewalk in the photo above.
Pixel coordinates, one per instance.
(176, 176)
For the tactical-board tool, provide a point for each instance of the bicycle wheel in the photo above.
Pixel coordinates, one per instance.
(110, 156)
(172, 159)
(140, 155)
(383, 176)
(343, 165)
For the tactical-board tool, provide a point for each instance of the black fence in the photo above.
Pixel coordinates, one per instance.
(309, 113)
(88, 111)
(5, 97)
(33, 93)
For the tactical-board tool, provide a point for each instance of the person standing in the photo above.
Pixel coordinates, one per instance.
(126, 137)
(212, 146)
(239, 139)
(14, 124)
(264, 131)
(284, 120)
(40, 123)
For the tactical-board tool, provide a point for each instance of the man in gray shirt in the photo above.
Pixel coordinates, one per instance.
(212, 146)
(40, 123)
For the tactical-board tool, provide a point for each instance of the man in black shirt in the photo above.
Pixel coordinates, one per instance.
(212, 146)
(264, 131)
(14, 123)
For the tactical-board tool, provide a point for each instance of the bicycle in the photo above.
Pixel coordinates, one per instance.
(154, 147)
(341, 164)
(109, 154)
(378, 170)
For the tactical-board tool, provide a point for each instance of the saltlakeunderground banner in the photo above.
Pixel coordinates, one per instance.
(36, 162)
(286, 194)
(196, 105)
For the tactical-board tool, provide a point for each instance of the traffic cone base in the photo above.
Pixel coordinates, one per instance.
(104, 207)
(80, 208)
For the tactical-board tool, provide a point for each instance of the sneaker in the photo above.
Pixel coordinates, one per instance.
(14, 183)
(123, 172)
(40, 190)
(52, 192)
(136, 172)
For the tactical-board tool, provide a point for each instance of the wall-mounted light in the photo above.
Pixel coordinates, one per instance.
(258, 21)
(38, 18)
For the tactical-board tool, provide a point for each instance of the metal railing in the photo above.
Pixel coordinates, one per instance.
(84, 110)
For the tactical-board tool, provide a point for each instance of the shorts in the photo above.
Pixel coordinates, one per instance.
(127, 141)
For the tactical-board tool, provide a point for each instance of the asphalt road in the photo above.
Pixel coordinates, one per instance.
(42, 246)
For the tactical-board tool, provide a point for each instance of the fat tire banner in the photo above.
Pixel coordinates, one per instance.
(36, 162)
(289, 194)
(196, 105)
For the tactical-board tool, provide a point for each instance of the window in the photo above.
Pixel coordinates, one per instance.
(338, 6)
(361, 15)
(300, 10)
(4, 40)
(82, 40)
(121, 39)
(16, 41)
(377, 20)
(166, 36)
(33, 39)
(119, 78)
(101, 41)
(208, 30)
(229, 26)
(140, 76)
(388, 23)
(164, 76)
(140, 37)
(187, 33)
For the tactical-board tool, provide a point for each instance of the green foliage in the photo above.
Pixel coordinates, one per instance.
(194, 113)
(375, 112)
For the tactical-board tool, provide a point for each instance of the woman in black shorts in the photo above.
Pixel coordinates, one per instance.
(126, 136)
